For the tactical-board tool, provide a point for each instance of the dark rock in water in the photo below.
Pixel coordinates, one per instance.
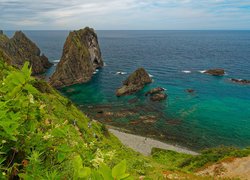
(134, 100)
(135, 82)
(80, 58)
(156, 94)
(158, 97)
(215, 72)
(154, 91)
(240, 81)
(1, 32)
(19, 49)
(190, 90)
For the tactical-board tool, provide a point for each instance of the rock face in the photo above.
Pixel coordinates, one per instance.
(19, 49)
(154, 91)
(215, 72)
(240, 81)
(158, 97)
(81, 56)
(135, 82)
(157, 94)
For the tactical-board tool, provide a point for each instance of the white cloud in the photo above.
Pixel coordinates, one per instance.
(124, 14)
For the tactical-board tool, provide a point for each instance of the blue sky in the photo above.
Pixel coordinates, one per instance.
(125, 14)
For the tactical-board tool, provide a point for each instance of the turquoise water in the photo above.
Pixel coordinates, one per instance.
(218, 113)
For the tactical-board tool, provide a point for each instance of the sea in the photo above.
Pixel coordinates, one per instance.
(216, 114)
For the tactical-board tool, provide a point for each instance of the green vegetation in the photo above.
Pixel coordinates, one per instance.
(189, 163)
(44, 136)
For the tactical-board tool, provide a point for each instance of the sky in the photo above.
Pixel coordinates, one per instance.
(125, 14)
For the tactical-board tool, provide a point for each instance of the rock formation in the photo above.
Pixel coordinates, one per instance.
(81, 56)
(157, 94)
(19, 49)
(240, 81)
(215, 72)
(135, 82)
(154, 91)
(190, 90)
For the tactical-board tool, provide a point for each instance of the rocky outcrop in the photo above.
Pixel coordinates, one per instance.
(240, 81)
(156, 94)
(80, 58)
(154, 91)
(215, 72)
(19, 49)
(135, 82)
(190, 90)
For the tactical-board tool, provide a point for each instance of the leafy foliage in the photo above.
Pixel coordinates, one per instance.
(189, 163)
(36, 139)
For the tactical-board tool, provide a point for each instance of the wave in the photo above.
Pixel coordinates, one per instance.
(185, 71)
(56, 61)
(150, 75)
(121, 73)
(202, 71)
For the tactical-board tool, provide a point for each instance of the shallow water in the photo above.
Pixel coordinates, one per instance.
(218, 113)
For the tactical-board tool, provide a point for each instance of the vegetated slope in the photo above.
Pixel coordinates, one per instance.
(44, 136)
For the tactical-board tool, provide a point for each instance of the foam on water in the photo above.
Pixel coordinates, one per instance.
(121, 73)
(202, 71)
(186, 71)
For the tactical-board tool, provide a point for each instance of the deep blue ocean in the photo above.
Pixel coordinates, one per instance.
(218, 113)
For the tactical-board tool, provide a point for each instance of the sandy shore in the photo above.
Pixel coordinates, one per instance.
(144, 145)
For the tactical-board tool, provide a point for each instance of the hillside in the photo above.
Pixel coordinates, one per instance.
(44, 136)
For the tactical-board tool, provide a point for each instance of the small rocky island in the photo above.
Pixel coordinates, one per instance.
(215, 72)
(80, 58)
(156, 94)
(135, 82)
(240, 81)
(19, 49)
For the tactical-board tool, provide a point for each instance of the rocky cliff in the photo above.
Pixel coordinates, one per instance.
(135, 82)
(19, 49)
(81, 56)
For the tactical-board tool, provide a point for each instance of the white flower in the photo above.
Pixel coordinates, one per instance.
(31, 98)
(47, 136)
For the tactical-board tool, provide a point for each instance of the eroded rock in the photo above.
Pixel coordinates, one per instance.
(154, 91)
(215, 72)
(135, 82)
(19, 49)
(158, 97)
(240, 81)
(80, 58)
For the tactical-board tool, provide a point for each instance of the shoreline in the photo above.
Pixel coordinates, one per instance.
(143, 144)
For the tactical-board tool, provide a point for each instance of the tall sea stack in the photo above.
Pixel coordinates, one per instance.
(81, 57)
(19, 49)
